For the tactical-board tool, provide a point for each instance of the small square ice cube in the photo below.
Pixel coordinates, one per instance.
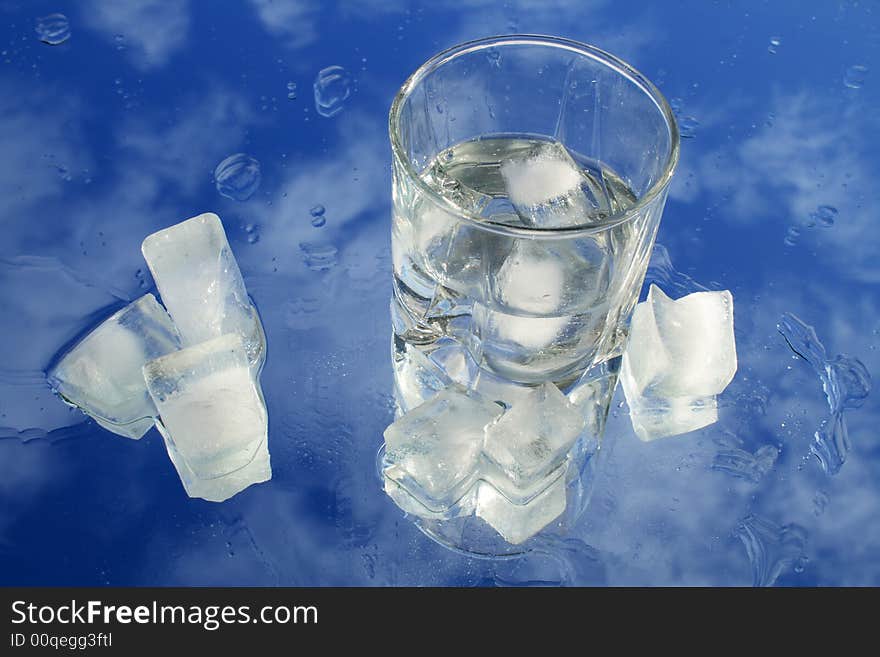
(519, 522)
(680, 355)
(433, 450)
(548, 189)
(102, 373)
(200, 283)
(697, 334)
(210, 405)
(534, 436)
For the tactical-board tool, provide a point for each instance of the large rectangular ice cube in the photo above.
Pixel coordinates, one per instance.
(680, 355)
(519, 522)
(210, 405)
(200, 283)
(433, 451)
(548, 189)
(534, 436)
(102, 373)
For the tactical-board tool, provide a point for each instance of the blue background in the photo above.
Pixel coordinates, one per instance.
(116, 132)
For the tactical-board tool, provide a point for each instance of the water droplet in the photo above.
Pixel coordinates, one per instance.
(775, 42)
(687, 127)
(820, 501)
(291, 90)
(855, 76)
(53, 29)
(318, 218)
(238, 177)
(319, 256)
(826, 214)
(332, 88)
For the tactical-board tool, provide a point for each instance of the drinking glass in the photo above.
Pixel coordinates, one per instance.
(492, 299)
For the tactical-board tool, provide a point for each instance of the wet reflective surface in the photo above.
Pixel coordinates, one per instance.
(120, 130)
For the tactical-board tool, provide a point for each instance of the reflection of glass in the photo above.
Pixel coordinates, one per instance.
(530, 174)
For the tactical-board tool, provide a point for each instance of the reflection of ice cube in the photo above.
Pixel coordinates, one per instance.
(200, 283)
(102, 373)
(548, 188)
(519, 522)
(417, 379)
(210, 405)
(221, 488)
(661, 417)
(534, 436)
(409, 504)
(679, 356)
(433, 450)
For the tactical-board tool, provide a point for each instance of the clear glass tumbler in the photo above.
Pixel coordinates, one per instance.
(529, 177)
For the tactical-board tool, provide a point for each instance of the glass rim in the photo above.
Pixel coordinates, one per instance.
(583, 49)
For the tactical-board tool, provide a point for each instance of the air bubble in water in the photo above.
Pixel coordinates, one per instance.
(53, 29)
(238, 177)
(775, 42)
(332, 88)
(855, 76)
(291, 90)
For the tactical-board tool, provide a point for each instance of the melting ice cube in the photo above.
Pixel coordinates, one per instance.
(519, 522)
(680, 355)
(433, 451)
(547, 308)
(211, 408)
(201, 285)
(548, 189)
(221, 488)
(533, 438)
(102, 373)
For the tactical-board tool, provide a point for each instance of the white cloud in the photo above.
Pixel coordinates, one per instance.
(293, 21)
(152, 30)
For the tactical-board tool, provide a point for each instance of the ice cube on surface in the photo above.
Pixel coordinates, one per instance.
(200, 283)
(680, 355)
(548, 189)
(210, 405)
(534, 436)
(220, 488)
(646, 358)
(102, 373)
(519, 522)
(697, 334)
(433, 450)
